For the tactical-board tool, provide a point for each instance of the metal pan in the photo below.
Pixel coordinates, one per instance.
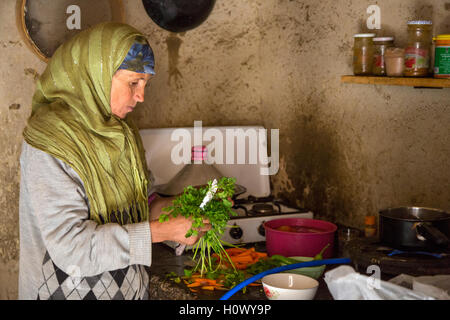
(415, 228)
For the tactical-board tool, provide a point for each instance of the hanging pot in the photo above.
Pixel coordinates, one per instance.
(415, 228)
(178, 15)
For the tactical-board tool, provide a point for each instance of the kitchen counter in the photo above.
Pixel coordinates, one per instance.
(165, 261)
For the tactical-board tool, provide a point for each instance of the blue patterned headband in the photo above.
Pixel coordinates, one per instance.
(139, 59)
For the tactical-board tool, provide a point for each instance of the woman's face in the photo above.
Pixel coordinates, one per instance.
(127, 89)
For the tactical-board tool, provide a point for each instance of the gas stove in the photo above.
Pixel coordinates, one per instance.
(369, 251)
(252, 212)
(252, 208)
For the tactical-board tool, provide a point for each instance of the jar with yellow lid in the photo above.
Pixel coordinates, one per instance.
(417, 52)
(442, 56)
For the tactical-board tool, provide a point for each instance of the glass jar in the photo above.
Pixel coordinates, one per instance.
(380, 45)
(395, 61)
(417, 52)
(363, 54)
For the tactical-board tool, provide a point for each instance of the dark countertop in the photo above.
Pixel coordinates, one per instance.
(165, 261)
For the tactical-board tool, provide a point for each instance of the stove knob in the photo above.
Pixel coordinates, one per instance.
(261, 229)
(236, 232)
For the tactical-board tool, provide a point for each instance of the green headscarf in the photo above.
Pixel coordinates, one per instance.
(71, 120)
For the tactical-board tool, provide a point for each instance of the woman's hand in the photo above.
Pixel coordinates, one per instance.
(157, 205)
(175, 229)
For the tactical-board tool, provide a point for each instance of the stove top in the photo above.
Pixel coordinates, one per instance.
(262, 207)
(369, 251)
(253, 212)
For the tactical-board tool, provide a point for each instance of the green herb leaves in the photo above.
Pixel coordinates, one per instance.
(217, 212)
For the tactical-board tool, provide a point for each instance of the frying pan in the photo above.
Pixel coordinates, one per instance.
(178, 15)
(415, 228)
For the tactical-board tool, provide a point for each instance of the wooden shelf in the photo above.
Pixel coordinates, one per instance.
(398, 81)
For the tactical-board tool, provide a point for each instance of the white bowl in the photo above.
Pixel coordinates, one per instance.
(289, 286)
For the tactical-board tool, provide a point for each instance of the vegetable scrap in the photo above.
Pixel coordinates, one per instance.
(243, 258)
(247, 262)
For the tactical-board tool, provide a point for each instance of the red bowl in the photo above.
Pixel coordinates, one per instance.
(304, 244)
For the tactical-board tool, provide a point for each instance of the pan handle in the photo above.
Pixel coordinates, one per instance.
(431, 233)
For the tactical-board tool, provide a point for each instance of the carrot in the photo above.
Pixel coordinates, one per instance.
(241, 266)
(243, 259)
(208, 288)
(254, 284)
(194, 284)
(205, 281)
(222, 288)
(233, 251)
(245, 253)
(261, 254)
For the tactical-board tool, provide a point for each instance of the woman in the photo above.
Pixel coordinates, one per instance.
(86, 228)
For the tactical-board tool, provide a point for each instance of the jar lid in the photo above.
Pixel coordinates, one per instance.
(384, 39)
(424, 22)
(442, 37)
(364, 35)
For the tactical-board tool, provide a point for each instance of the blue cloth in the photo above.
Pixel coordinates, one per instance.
(139, 59)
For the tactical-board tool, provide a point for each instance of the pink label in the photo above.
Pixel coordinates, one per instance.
(416, 58)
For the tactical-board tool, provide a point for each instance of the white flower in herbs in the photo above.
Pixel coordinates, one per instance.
(210, 194)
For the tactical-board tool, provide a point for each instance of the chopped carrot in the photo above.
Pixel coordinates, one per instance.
(241, 266)
(232, 251)
(254, 284)
(194, 284)
(208, 288)
(222, 288)
(243, 259)
(261, 254)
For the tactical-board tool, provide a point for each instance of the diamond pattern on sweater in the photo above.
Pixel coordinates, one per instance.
(128, 283)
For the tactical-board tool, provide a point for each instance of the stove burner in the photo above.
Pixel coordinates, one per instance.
(261, 209)
(253, 199)
(262, 206)
(365, 252)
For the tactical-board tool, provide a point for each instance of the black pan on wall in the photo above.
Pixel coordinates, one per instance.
(178, 15)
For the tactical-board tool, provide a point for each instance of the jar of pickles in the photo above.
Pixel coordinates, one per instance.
(417, 52)
(363, 53)
(380, 45)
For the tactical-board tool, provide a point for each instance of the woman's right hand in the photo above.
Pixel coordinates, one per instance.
(175, 229)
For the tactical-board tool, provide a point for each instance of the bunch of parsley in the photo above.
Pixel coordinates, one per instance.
(217, 211)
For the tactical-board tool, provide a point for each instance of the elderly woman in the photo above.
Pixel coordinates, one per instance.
(86, 228)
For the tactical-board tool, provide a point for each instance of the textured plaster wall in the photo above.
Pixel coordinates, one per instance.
(345, 150)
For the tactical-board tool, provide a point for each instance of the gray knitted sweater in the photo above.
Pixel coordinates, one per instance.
(63, 254)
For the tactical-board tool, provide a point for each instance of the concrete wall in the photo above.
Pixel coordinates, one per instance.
(345, 150)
